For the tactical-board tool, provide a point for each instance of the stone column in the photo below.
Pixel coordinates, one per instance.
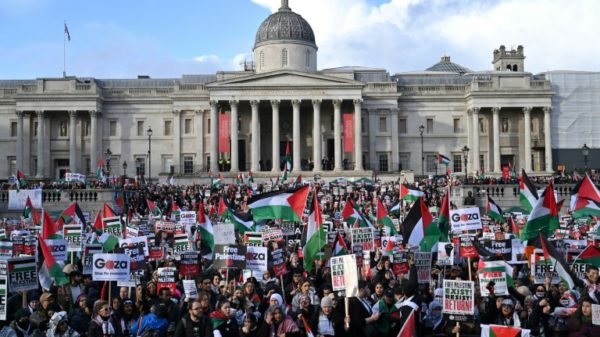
(548, 139)
(73, 141)
(469, 123)
(177, 141)
(234, 136)
(275, 141)
(40, 143)
(372, 117)
(475, 150)
(200, 138)
(395, 146)
(317, 143)
(496, 133)
(296, 166)
(214, 137)
(527, 126)
(358, 166)
(93, 140)
(20, 140)
(254, 149)
(337, 134)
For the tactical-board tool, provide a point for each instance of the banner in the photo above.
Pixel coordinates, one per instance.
(73, 234)
(423, 265)
(58, 247)
(139, 241)
(189, 289)
(224, 130)
(76, 177)
(344, 274)
(278, 260)
(22, 274)
(110, 267)
(348, 124)
(17, 200)
(256, 258)
(459, 300)
(363, 237)
(230, 256)
(224, 234)
(465, 219)
(190, 264)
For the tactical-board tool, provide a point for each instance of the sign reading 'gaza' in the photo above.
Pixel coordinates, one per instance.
(464, 219)
(110, 267)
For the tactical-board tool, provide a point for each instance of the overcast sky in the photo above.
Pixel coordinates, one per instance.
(123, 39)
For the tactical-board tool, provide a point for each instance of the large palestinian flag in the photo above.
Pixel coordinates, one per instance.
(558, 261)
(316, 238)
(352, 215)
(443, 221)
(383, 218)
(585, 199)
(69, 214)
(493, 210)
(288, 205)
(243, 222)
(527, 192)
(410, 194)
(503, 331)
(590, 255)
(419, 229)
(206, 231)
(543, 217)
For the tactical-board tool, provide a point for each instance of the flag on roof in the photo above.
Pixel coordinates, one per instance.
(316, 238)
(49, 229)
(410, 194)
(383, 218)
(340, 247)
(352, 216)
(585, 199)
(288, 205)
(443, 159)
(590, 255)
(527, 192)
(419, 229)
(503, 331)
(53, 268)
(206, 231)
(493, 210)
(20, 180)
(558, 261)
(67, 34)
(543, 217)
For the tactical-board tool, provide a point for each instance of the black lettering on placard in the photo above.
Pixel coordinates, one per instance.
(60, 248)
(110, 264)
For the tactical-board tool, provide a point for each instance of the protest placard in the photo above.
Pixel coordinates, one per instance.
(363, 237)
(181, 243)
(190, 264)
(500, 248)
(224, 234)
(6, 249)
(88, 255)
(166, 279)
(596, 314)
(131, 232)
(465, 219)
(137, 261)
(466, 248)
(278, 260)
(229, 256)
(400, 265)
(272, 234)
(73, 235)
(423, 265)
(3, 297)
(110, 267)
(459, 300)
(113, 226)
(542, 268)
(187, 217)
(140, 241)
(189, 289)
(58, 247)
(496, 276)
(22, 274)
(344, 274)
(445, 254)
(75, 177)
(253, 239)
(256, 258)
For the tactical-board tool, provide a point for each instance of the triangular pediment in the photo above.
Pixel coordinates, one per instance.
(287, 79)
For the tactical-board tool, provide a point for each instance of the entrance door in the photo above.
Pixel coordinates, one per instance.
(242, 154)
(330, 153)
(61, 167)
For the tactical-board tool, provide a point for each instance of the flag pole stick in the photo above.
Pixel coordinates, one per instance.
(282, 288)
(469, 261)
(458, 332)
(65, 52)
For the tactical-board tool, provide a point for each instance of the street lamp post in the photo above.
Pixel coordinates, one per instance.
(585, 150)
(465, 151)
(149, 132)
(124, 169)
(107, 156)
(421, 129)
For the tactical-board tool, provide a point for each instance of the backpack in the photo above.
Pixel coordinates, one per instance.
(151, 332)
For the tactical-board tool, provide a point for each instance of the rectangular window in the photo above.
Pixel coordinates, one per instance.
(13, 129)
(402, 125)
(188, 164)
(63, 128)
(87, 127)
(167, 163)
(457, 128)
(140, 166)
(188, 126)
(430, 163)
(362, 125)
(12, 165)
(457, 161)
(168, 128)
(383, 124)
(404, 159)
(140, 128)
(112, 128)
(383, 163)
(208, 126)
(88, 166)
(429, 125)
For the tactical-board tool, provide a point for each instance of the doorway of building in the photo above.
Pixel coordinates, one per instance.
(61, 166)
(242, 154)
(330, 154)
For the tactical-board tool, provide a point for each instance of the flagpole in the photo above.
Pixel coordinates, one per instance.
(64, 51)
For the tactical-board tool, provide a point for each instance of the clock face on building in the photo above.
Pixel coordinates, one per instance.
(285, 125)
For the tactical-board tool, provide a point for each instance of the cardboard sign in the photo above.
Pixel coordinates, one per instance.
(73, 235)
(253, 239)
(166, 279)
(22, 274)
(189, 289)
(187, 218)
(445, 257)
(498, 277)
(363, 237)
(423, 265)
(344, 274)
(190, 264)
(596, 314)
(229, 256)
(502, 248)
(224, 234)
(459, 300)
(256, 258)
(3, 297)
(278, 260)
(110, 267)
(58, 247)
(465, 219)
(181, 243)
(140, 241)
(112, 225)
(88, 255)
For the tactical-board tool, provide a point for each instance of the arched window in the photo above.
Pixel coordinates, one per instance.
(508, 68)
(262, 59)
(308, 58)
(284, 58)
(515, 68)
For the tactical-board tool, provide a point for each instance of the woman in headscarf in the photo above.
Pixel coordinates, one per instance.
(280, 324)
(21, 324)
(306, 289)
(434, 320)
(224, 325)
(324, 322)
(81, 315)
(59, 326)
(101, 325)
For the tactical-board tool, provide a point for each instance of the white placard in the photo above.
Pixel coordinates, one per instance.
(444, 259)
(465, 219)
(190, 290)
(256, 258)
(58, 248)
(596, 314)
(110, 267)
(75, 177)
(187, 217)
(136, 241)
(224, 234)
(344, 274)
(17, 200)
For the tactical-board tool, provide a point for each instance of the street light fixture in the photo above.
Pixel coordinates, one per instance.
(107, 156)
(149, 133)
(465, 151)
(421, 129)
(125, 169)
(585, 150)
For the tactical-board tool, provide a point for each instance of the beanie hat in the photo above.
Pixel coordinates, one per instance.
(326, 302)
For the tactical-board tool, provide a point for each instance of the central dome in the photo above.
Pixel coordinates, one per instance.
(284, 25)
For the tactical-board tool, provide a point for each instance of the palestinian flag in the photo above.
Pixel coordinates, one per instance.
(503, 331)
(216, 182)
(408, 329)
(69, 214)
(28, 208)
(389, 249)
(152, 208)
(287, 161)
(100, 170)
(493, 210)
(560, 265)
(383, 218)
(108, 212)
(288, 205)
(20, 180)
(250, 178)
(49, 229)
(419, 229)
(590, 255)
(410, 194)
(243, 222)
(585, 199)
(443, 220)
(108, 242)
(53, 268)
(543, 217)
(298, 181)
(218, 318)
(206, 231)
(495, 267)
(352, 216)
(316, 238)
(396, 208)
(527, 192)
(443, 159)
(98, 225)
(340, 247)
(514, 227)
(223, 207)
(309, 332)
